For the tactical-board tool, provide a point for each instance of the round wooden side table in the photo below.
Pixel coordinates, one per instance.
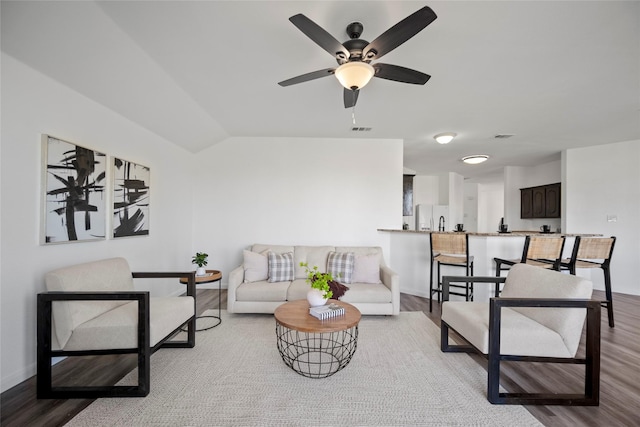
(210, 277)
(312, 347)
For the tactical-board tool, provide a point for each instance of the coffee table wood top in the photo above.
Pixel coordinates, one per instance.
(295, 315)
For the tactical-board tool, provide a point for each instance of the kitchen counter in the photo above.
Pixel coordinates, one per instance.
(410, 255)
(521, 233)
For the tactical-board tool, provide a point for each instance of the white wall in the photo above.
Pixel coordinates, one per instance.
(470, 207)
(296, 191)
(604, 181)
(517, 177)
(491, 207)
(33, 104)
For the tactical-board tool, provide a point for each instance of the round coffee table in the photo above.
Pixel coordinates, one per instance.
(316, 348)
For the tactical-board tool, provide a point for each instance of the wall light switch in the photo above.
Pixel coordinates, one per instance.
(612, 218)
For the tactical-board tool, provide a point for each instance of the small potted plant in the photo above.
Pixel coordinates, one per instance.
(200, 259)
(320, 291)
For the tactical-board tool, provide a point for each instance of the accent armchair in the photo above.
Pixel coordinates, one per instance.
(539, 317)
(93, 309)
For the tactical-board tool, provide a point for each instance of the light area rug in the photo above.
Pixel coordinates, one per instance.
(236, 377)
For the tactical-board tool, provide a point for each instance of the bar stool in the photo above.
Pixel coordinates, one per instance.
(450, 249)
(594, 252)
(539, 251)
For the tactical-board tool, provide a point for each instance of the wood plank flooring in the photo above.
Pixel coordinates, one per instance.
(619, 394)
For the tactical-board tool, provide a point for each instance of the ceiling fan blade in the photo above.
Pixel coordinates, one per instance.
(309, 76)
(400, 74)
(350, 97)
(319, 35)
(399, 33)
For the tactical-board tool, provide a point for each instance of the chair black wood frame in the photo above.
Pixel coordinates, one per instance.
(45, 389)
(531, 256)
(441, 257)
(591, 360)
(576, 262)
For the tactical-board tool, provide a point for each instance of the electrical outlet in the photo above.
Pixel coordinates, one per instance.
(612, 218)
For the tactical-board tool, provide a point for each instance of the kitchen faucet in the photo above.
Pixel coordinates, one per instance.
(441, 223)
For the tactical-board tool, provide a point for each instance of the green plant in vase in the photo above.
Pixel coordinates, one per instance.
(200, 259)
(317, 280)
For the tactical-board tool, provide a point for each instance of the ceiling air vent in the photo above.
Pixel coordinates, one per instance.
(360, 129)
(503, 136)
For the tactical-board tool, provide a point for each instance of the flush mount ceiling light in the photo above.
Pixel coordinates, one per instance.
(354, 75)
(444, 138)
(475, 159)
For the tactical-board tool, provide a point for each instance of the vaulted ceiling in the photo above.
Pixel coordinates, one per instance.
(555, 75)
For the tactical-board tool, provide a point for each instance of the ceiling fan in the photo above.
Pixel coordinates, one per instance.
(354, 56)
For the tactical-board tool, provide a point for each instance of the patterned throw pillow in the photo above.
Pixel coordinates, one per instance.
(280, 267)
(340, 265)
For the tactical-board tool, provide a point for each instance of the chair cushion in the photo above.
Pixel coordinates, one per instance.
(105, 275)
(519, 335)
(525, 281)
(118, 328)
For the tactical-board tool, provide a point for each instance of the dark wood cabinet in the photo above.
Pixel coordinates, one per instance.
(540, 202)
(552, 201)
(526, 203)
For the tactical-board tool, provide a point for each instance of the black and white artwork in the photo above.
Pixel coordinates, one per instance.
(130, 199)
(74, 192)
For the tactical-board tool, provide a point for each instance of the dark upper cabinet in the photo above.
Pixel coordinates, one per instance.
(552, 201)
(526, 203)
(540, 202)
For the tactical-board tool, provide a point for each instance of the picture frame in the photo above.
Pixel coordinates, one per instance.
(73, 192)
(131, 190)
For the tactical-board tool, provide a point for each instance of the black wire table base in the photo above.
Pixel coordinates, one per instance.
(316, 355)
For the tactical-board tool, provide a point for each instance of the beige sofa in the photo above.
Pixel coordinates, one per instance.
(253, 293)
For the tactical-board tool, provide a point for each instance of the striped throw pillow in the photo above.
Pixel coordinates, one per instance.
(340, 265)
(280, 267)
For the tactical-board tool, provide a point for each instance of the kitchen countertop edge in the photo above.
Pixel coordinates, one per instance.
(509, 234)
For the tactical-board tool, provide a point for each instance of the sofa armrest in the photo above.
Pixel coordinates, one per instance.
(391, 280)
(236, 277)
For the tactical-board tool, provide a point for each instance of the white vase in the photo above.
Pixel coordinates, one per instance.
(201, 271)
(316, 298)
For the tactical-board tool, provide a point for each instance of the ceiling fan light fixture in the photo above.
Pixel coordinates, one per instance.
(354, 75)
(475, 159)
(445, 138)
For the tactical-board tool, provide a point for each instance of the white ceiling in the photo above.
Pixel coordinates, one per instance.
(557, 75)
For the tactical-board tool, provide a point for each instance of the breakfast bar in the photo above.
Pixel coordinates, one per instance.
(410, 254)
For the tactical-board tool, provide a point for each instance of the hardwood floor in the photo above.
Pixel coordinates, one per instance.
(619, 387)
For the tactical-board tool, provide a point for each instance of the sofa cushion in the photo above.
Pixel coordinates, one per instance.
(256, 266)
(367, 293)
(279, 249)
(118, 328)
(280, 267)
(298, 290)
(262, 291)
(519, 334)
(313, 256)
(366, 268)
(105, 275)
(340, 265)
